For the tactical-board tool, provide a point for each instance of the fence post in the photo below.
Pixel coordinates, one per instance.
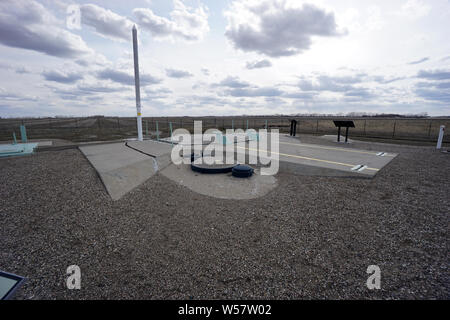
(232, 124)
(365, 120)
(429, 130)
(317, 126)
(171, 135)
(393, 132)
(267, 128)
(157, 131)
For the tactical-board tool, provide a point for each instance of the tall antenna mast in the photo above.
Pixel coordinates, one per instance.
(136, 84)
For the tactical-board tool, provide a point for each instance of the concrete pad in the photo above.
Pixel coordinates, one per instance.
(333, 138)
(44, 143)
(152, 147)
(321, 160)
(121, 168)
(221, 185)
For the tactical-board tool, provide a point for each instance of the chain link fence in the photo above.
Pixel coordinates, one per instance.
(112, 128)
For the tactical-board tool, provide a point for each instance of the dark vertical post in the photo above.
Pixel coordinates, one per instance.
(339, 134)
(429, 129)
(317, 126)
(393, 132)
(365, 127)
(346, 134)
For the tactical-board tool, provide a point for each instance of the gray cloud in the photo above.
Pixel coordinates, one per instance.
(28, 25)
(95, 88)
(58, 76)
(22, 70)
(205, 71)
(281, 30)
(254, 92)
(173, 73)
(358, 92)
(327, 83)
(105, 22)
(419, 61)
(126, 78)
(258, 64)
(158, 93)
(384, 80)
(434, 74)
(232, 82)
(437, 85)
(185, 23)
(299, 95)
(442, 96)
(12, 96)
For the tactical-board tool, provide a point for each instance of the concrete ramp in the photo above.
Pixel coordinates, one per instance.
(122, 168)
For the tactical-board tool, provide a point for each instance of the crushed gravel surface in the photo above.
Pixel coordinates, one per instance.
(311, 237)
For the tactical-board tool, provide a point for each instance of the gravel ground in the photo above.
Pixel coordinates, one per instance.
(311, 237)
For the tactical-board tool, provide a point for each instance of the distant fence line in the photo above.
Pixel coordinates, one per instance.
(94, 128)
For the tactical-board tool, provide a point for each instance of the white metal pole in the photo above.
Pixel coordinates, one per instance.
(441, 136)
(137, 85)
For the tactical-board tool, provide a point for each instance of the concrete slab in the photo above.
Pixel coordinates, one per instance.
(333, 138)
(222, 185)
(122, 168)
(152, 147)
(321, 160)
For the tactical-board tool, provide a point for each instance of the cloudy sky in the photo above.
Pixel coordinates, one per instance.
(230, 57)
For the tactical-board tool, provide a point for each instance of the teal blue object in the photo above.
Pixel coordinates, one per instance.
(10, 150)
(14, 136)
(224, 138)
(23, 134)
(253, 135)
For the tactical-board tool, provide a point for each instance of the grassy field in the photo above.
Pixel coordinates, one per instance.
(422, 130)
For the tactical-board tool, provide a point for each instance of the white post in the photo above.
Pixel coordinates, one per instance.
(137, 85)
(441, 136)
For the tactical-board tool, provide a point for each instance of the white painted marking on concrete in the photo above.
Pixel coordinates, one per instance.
(362, 168)
(303, 145)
